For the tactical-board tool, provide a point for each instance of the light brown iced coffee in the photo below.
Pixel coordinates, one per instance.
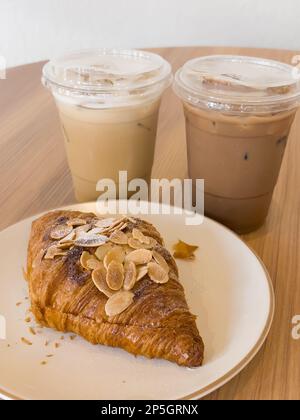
(100, 144)
(108, 103)
(238, 119)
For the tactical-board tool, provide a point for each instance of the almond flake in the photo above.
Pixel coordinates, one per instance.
(132, 220)
(127, 249)
(102, 250)
(141, 272)
(85, 256)
(99, 279)
(53, 251)
(88, 261)
(68, 238)
(119, 227)
(118, 237)
(89, 241)
(95, 231)
(161, 261)
(60, 231)
(118, 303)
(76, 222)
(66, 245)
(115, 275)
(93, 263)
(130, 275)
(136, 244)
(105, 223)
(115, 254)
(81, 230)
(119, 224)
(140, 256)
(137, 234)
(157, 273)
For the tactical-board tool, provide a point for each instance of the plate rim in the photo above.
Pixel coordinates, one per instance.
(202, 392)
(256, 348)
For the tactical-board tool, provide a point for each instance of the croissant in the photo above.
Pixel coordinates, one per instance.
(112, 282)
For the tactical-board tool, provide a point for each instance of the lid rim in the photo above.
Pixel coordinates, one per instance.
(193, 95)
(165, 73)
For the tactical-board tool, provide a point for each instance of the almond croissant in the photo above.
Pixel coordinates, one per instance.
(149, 316)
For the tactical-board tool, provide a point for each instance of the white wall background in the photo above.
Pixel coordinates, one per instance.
(31, 30)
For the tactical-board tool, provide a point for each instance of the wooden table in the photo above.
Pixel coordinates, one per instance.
(34, 177)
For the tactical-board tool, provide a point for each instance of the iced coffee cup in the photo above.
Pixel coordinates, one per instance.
(108, 101)
(239, 111)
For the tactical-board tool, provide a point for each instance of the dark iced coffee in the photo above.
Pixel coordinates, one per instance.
(237, 127)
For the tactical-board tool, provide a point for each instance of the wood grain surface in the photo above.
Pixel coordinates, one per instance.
(34, 177)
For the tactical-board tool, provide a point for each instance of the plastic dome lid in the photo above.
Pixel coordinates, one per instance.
(110, 76)
(239, 84)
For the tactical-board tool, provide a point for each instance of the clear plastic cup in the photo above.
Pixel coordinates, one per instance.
(108, 101)
(239, 111)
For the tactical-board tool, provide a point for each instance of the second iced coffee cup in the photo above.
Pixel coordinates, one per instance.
(239, 111)
(108, 101)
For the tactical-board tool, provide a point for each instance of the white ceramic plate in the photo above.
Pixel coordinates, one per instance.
(227, 287)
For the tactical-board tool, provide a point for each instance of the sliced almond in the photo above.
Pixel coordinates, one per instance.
(53, 251)
(99, 279)
(118, 303)
(157, 273)
(141, 272)
(115, 275)
(81, 230)
(118, 237)
(76, 222)
(123, 226)
(140, 256)
(38, 259)
(85, 256)
(137, 234)
(127, 249)
(93, 263)
(65, 245)
(68, 238)
(130, 275)
(60, 231)
(115, 254)
(102, 250)
(136, 244)
(95, 231)
(118, 222)
(120, 226)
(132, 220)
(161, 261)
(105, 223)
(90, 241)
(152, 242)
